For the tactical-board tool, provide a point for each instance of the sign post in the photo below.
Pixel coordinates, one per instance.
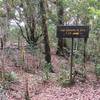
(71, 71)
(73, 32)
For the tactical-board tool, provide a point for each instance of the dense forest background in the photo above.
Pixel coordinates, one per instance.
(29, 43)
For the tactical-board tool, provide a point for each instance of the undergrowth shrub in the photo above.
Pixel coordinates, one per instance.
(46, 69)
(64, 78)
(97, 69)
(8, 78)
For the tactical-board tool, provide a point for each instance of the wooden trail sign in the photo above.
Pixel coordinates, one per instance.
(72, 31)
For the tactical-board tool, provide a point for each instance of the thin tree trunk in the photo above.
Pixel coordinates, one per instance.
(27, 97)
(1, 40)
(61, 42)
(45, 32)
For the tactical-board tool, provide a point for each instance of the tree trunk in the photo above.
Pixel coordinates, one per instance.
(45, 32)
(61, 41)
(32, 28)
(1, 40)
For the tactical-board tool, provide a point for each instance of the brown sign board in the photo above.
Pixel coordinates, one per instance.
(72, 31)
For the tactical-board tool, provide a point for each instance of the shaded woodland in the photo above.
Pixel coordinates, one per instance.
(35, 64)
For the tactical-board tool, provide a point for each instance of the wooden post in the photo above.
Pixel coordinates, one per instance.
(71, 79)
(85, 41)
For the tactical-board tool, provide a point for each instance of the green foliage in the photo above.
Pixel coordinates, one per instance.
(78, 57)
(46, 69)
(97, 69)
(2, 14)
(14, 33)
(64, 79)
(94, 11)
(33, 48)
(10, 76)
(92, 2)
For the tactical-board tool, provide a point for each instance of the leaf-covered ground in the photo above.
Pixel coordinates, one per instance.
(39, 89)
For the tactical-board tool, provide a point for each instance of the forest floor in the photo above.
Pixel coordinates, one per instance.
(39, 89)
